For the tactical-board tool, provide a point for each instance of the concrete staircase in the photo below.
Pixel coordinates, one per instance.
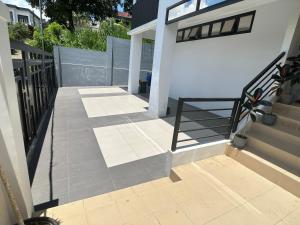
(274, 151)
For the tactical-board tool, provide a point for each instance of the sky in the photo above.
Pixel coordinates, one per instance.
(24, 4)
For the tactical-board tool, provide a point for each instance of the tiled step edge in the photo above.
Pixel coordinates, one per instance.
(270, 171)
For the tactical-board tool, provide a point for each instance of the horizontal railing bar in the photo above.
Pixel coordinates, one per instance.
(205, 119)
(204, 128)
(192, 139)
(274, 62)
(265, 77)
(210, 99)
(206, 110)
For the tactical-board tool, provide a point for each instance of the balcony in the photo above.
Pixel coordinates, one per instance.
(144, 11)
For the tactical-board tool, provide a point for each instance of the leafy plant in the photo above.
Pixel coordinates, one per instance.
(287, 72)
(85, 38)
(254, 102)
(19, 32)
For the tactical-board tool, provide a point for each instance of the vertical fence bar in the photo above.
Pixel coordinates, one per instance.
(177, 124)
(236, 105)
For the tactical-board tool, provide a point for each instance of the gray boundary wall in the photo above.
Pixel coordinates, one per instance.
(82, 67)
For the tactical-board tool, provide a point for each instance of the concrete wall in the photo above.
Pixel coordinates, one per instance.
(81, 67)
(12, 152)
(221, 67)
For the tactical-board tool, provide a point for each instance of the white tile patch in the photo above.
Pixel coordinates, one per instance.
(124, 143)
(113, 105)
(102, 90)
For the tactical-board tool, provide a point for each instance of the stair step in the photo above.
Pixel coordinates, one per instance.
(274, 155)
(268, 170)
(289, 111)
(276, 138)
(288, 125)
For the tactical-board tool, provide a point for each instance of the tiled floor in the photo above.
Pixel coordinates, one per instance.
(215, 191)
(100, 140)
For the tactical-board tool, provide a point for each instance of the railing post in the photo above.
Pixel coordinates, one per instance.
(233, 117)
(177, 124)
(238, 113)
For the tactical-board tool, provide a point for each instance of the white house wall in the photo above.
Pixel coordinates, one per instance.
(222, 66)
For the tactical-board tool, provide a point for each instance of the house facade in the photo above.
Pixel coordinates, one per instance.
(210, 49)
(22, 15)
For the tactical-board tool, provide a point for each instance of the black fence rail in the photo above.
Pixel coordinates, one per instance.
(204, 119)
(36, 86)
(144, 11)
(264, 81)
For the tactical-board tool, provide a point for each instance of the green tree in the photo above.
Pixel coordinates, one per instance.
(63, 12)
(127, 5)
(19, 32)
(85, 38)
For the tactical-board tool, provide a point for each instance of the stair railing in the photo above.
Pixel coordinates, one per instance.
(238, 111)
(264, 81)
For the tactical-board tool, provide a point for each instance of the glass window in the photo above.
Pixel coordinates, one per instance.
(23, 19)
(179, 35)
(182, 9)
(207, 3)
(245, 23)
(11, 16)
(216, 29)
(205, 31)
(194, 32)
(228, 26)
(186, 34)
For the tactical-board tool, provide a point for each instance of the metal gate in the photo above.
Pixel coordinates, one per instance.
(35, 84)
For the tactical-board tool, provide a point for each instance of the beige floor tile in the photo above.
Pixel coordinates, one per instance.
(276, 203)
(132, 205)
(135, 219)
(74, 220)
(108, 215)
(98, 201)
(72, 213)
(158, 200)
(293, 218)
(69, 210)
(173, 217)
(144, 188)
(122, 193)
(101, 90)
(242, 215)
(162, 182)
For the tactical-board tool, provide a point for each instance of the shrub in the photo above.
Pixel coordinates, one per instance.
(19, 32)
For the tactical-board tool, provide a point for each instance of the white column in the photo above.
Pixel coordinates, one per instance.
(136, 45)
(12, 154)
(165, 40)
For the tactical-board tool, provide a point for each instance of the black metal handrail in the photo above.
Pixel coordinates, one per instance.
(227, 125)
(36, 87)
(264, 81)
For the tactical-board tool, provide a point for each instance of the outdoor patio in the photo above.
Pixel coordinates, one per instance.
(215, 191)
(102, 139)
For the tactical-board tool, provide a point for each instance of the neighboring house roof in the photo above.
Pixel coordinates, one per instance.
(24, 9)
(124, 15)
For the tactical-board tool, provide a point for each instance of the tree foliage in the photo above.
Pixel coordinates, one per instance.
(86, 38)
(19, 32)
(127, 5)
(63, 12)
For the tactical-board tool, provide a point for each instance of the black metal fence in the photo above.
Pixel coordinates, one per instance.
(36, 86)
(238, 111)
(264, 81)
(222, 128)
(144, 11)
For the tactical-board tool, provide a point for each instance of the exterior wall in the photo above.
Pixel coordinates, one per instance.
(32, 20)
(80, 67)
(12, 154)
(221, 67)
